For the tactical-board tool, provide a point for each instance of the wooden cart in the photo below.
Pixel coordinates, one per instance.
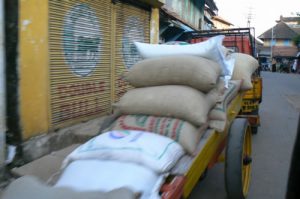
(235, 141)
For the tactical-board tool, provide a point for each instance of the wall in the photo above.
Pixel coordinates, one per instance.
(279, 42)
(220, 25)
(190, 11)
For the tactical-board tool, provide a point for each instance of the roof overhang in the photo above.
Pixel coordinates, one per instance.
(172, 29)
(154, 3)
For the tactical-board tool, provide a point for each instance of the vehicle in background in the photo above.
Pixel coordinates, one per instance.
(265, 66)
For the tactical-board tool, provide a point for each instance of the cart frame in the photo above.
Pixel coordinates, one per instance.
(211, 153)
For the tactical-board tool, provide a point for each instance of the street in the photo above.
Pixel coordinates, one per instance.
(271, 147)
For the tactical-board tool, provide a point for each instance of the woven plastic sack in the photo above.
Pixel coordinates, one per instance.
(181, 131)
(154, 151)
(211, 49)
(107, 175)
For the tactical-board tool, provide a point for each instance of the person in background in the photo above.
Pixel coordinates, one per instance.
(294, 66)
(298, 65)
(273, 65)
(278, 65)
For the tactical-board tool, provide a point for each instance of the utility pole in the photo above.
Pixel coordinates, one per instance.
(271, 45)
(249, 17)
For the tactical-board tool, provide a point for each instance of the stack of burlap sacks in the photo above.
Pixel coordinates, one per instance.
(180, 96)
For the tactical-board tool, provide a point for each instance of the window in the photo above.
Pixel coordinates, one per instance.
(273, 42)
(287, 42)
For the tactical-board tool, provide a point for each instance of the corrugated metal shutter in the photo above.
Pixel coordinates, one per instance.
(80, 59)
(132, 24)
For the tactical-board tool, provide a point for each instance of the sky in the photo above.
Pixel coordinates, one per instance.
(263, 13)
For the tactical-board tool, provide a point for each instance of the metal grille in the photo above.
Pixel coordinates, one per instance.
(132, 24)
(80, 59)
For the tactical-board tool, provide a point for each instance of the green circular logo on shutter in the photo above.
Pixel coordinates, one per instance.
(81, 40)
(133, 31)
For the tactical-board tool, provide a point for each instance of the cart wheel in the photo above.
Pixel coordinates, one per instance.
(238, 159)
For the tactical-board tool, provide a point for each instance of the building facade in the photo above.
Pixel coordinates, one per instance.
(65, 60)
(221, 23)
(278, 42)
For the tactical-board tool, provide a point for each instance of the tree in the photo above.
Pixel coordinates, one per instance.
(296, 40)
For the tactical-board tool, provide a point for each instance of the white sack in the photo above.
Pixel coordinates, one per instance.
(154, 151)
(106, 175)
(211, 49)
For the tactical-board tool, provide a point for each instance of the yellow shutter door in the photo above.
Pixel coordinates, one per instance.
(80, 60)
(132, 24)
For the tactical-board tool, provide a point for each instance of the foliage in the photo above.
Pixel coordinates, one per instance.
(296, 40)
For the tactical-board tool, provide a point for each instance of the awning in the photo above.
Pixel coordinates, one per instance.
(211, 4)
(172, 30)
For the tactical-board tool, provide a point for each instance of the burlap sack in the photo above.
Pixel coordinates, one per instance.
(183, 132)
(180, 102)
(218, 115)
(197, 72)
(244, 67)
(29, 187)
(218, 125)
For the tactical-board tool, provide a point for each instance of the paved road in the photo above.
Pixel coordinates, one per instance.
(272, 146)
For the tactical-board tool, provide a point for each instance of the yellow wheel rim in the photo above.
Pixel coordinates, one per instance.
(246, 172)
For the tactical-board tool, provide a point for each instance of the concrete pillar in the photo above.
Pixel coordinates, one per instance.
(154, 26)
(2, 92)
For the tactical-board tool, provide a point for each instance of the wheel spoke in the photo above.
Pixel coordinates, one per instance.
(246, 162)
